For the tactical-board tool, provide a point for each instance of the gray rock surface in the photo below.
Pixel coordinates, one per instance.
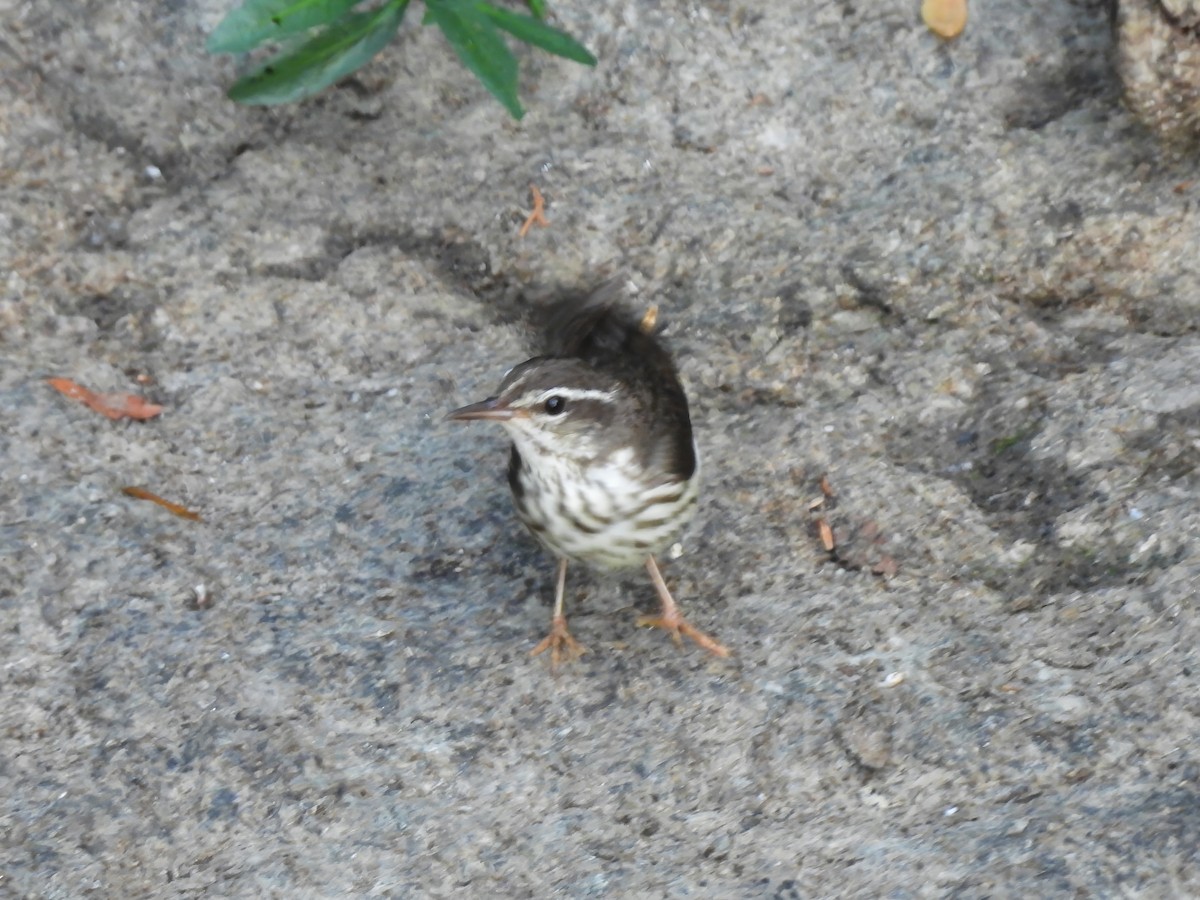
(958, 279)
(1158, 58)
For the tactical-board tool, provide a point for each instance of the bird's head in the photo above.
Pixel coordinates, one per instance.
(555, 407)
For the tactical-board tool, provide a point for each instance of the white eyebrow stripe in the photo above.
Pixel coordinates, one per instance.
(574, 394)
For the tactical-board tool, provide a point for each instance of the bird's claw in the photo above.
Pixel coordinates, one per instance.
(560, 643)
(676, 625)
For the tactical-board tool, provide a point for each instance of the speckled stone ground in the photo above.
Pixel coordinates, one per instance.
(958, 280)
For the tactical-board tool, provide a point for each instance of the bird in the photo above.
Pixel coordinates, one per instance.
(604, 468)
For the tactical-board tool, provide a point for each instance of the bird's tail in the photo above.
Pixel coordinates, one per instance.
(599, 323)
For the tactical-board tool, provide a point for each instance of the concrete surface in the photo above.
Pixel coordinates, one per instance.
(958, 280)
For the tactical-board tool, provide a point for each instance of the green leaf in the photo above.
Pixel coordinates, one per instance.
(537, 7)
(258, 21)
(539, 34)
(301, 71)
(480, 47)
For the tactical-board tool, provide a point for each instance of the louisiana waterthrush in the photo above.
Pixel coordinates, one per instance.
(604, 469)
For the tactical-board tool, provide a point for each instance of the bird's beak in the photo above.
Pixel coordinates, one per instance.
(491, 410)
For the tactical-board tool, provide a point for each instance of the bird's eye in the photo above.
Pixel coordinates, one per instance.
(555, 405)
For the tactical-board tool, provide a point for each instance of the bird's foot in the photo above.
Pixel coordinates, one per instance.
(560, 643)
(671, 621)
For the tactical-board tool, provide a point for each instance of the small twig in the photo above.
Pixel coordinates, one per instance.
(538, 215)
(142, 494)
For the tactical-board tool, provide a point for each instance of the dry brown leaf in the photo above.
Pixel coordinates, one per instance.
(886, 566)
(826, 535)
(115, 406)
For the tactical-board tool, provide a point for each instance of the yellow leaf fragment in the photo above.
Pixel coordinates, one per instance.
(945, 18)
